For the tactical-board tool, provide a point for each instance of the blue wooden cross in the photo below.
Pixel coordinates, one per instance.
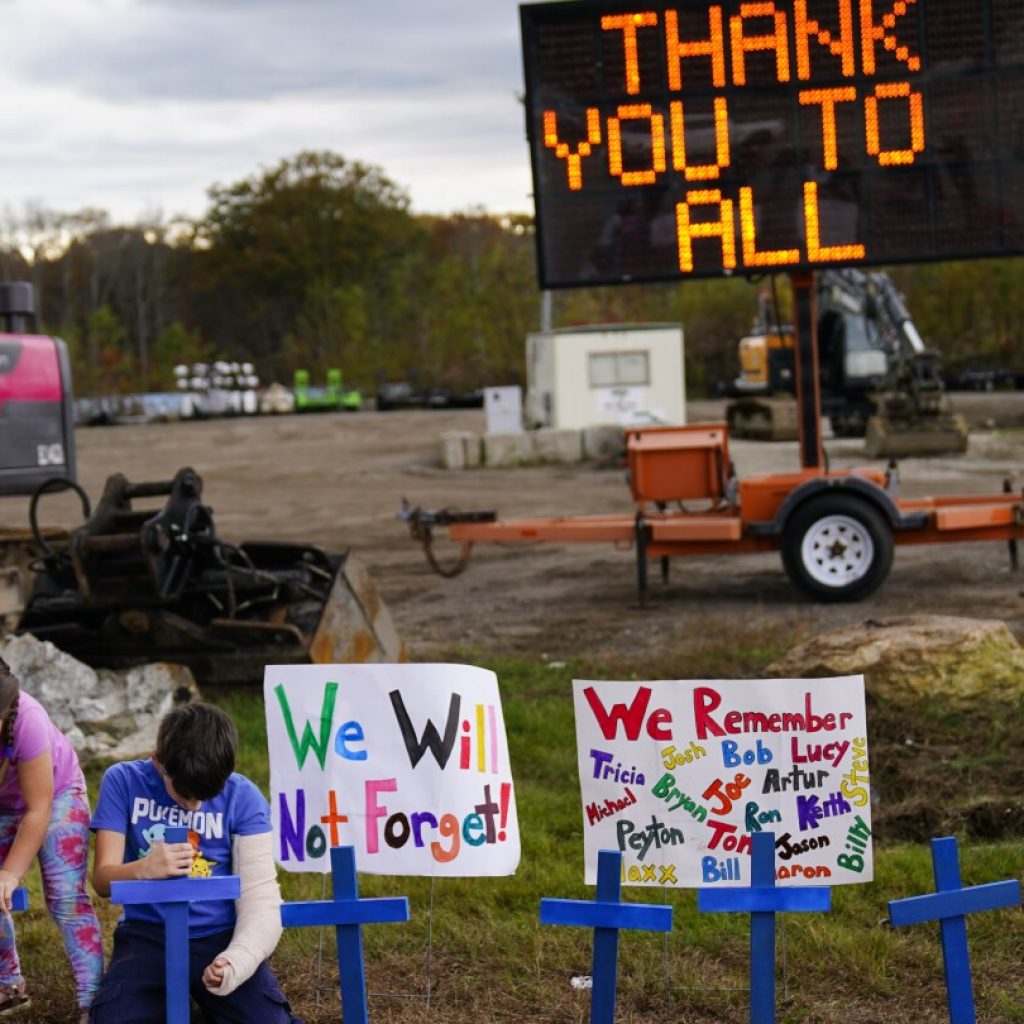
(348, 913)
(949, 905)
(607, 914)
(763, 901)
(171, 896)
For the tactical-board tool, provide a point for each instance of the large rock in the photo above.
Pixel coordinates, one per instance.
(916, 656)
(103, 713)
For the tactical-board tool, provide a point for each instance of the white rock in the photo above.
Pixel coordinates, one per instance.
(103, 713)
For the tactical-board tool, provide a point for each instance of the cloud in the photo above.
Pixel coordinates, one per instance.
(132, 104)
(225, 49)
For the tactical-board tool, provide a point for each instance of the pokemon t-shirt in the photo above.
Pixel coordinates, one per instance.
(134, 801)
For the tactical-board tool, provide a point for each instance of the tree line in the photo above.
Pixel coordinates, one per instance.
(319, 262)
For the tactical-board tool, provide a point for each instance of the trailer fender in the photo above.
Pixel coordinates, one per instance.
(863, 488)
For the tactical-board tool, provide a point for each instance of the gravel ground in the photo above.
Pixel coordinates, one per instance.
(338, 480)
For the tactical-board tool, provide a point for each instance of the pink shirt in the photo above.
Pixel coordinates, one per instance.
(33, 734)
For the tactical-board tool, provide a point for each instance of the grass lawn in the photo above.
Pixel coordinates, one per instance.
(475, 952)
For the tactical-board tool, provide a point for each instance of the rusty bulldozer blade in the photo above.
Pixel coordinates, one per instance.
(134, 586)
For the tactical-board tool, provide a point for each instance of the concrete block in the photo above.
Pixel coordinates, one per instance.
(506, 449)
(550, 445)
(473, 449)
(603, 442)
(460, 449)
(452, 451)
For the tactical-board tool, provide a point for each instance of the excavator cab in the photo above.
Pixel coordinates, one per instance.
(851, 353)
(852, 362)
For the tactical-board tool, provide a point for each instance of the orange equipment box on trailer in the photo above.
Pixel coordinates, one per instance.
(678, 463)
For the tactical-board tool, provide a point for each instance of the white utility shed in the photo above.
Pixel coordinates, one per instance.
(625, 374)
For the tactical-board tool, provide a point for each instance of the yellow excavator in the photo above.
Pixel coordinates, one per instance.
(878, 379)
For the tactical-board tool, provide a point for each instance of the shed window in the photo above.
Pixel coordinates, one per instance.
(616, 369)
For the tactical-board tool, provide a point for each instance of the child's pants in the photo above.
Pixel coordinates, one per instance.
(133, 991)
(63, 858)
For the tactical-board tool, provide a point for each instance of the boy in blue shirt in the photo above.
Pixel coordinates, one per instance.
(190, 781)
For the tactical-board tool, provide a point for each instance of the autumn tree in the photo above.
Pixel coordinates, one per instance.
(276, 246)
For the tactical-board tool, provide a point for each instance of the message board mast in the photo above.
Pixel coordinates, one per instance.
(698, 139)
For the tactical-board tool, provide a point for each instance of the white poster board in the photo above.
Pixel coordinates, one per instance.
(406, 763)
(503, 409)
(677, 774)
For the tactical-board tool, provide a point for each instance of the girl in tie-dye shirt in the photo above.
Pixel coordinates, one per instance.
(44, 814)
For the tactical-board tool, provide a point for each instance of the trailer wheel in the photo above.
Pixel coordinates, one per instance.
(837, 548)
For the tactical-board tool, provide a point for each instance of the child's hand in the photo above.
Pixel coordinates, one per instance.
(168, 860)
(8, 883)
(213, 976)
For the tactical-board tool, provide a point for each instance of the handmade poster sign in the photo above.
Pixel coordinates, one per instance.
(408, 764)
(677, 776)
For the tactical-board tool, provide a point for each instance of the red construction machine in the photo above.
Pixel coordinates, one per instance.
(37, 440)
(137, 582)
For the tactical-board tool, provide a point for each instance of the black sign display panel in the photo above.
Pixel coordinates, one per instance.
(700, 139)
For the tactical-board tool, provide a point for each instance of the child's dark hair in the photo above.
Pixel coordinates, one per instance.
(10, 690)
(196, 746)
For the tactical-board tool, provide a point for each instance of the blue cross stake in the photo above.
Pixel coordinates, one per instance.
(348, 913)
(171, 896)
(607, 915)
(949, 905)
(763, 901)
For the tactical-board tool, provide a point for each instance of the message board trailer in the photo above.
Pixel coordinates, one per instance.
(710, 139)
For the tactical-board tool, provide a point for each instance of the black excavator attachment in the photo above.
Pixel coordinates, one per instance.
(133, 586)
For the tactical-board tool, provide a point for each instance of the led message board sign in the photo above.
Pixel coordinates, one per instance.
(698, 139)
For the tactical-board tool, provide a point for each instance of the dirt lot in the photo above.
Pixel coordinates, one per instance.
(338, 480)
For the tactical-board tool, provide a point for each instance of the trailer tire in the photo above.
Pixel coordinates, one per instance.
(836, 548)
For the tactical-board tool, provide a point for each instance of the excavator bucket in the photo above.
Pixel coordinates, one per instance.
(133, 586)
(942, 435)
(913, 413)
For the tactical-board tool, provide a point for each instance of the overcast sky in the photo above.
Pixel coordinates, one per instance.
(136, 106)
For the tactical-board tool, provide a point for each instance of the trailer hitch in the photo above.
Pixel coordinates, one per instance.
(421, 525)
